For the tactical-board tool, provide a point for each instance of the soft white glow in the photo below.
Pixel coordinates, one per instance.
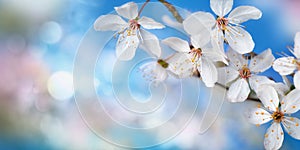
(60, 85)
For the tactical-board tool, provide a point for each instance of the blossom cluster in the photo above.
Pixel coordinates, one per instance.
(241, 71)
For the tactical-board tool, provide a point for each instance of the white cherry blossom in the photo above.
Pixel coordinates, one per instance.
(242, 74)
(279, 115)
(195, 57)
(131, 36)
(287, 65)
(226, 28)
(155, 71)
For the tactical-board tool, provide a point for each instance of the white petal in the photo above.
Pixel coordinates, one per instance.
(227, 74)
(177, 44)
(291, 103)
(258, 116)
(281, 88)
(110, 23)
(274, 137)
(256, 81)
(286, 81)
(127, 45)
(238, 91)
(181, 65)
(217, 41)
(153, 71)
(297, 45)
(150, 43)
(200, 40)
(268, 96)
(221, 7)
(199, 22)
(262, 62)
(236, 60)
(285, 65)
(208, 72)
(244, 13)
(292, 126)
(239, 39)
(161, 73)
(214, 55)
(149, 23)
(128, 10)
(297, 80)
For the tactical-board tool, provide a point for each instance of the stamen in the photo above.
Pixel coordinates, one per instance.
(278, 116)
(245, 72)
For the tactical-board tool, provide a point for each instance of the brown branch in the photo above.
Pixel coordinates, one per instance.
(173, 10)
(147, 1)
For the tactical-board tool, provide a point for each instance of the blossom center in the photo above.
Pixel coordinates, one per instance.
(163, 63)
(133, 25)
(222, 23)
(278, 116)
(196, 53)
(245, 72)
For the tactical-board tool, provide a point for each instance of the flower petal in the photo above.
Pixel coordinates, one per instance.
(153, 71)
(227, 74)
(128, 10)
(236, 60)
(262, 62)
(297, 80)
(238, 91)
(239, 39)
(291, 126)
(181, 65)
(199, 22)
(285, 65)
(177, 44)
(274, 137)
(221, 7)
(110, 23)
(208, 72)
(149, 23)
(217, 40)
(200, 40)
(258, 116)
(291, 102)
(244, 13)
(297, 45)
(214, 55)
(150, 43)
(256, 81)
(127, 45)
(269, 97)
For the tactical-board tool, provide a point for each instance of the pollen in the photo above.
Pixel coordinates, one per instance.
(297, 124)
(245, 72)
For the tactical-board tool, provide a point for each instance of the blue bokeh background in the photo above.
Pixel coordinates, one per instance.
(39, 39)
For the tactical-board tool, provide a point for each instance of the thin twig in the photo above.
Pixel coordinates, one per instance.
(147, 1)
(173, 10)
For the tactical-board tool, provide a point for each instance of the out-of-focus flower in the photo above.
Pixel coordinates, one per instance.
(273, 111)
(226, 28)
(130, 34)
(244, 74)
(155, 71)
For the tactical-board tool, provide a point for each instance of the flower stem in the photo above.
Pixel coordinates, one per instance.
(173, 10)
(147, 1)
